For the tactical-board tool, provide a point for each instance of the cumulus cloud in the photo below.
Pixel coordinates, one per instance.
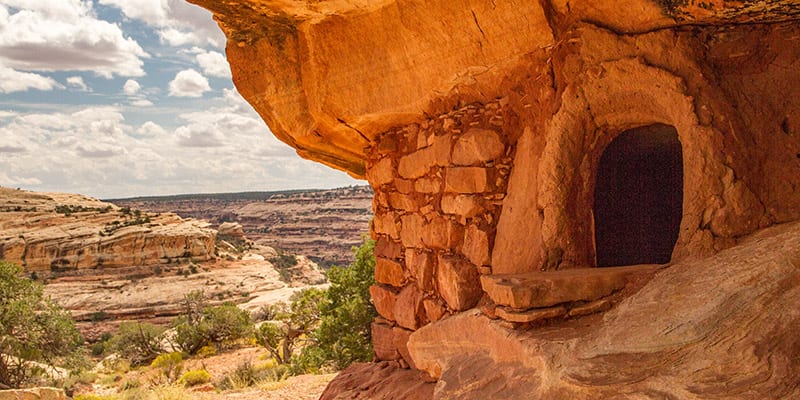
(15, 81)
(188, 83)
(15, 181)
(93, 150)
(198, 135)
(131, 87)
(151, 129)
(141, 103)
(65, 35)
(96, 151)
(12, 148)
(214, 64)
(77, 82)
(177, 22)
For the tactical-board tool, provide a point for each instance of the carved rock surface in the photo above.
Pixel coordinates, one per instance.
(57, 231)
(720, 328)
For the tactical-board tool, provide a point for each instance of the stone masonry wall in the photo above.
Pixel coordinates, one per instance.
(439, 188)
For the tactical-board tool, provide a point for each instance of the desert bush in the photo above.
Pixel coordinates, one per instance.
(194, 378)
(247, 374)
(115, 364)
(283, 262)
(169, 364)
(79, 377)
(206, 351)
(217, 325)
(33, 329)
(138, 342)
(344, 335)
(130, 384)
(291, 324)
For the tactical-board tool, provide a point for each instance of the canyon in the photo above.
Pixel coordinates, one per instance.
(55, 232)
(324, 225)
(519, 149)
(106, 264)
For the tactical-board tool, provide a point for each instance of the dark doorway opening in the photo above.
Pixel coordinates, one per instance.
(638, 198)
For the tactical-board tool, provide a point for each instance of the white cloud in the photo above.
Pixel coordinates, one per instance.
(12, 145)
(16, 81)
(198, 135)
(176, 38)
(141, 103)
(77, 82)
(178, 23)
(131, 87)
(151, 129)
(65, 35)
(95, 151)
(189, 83)
(15, 181)
(214, 64)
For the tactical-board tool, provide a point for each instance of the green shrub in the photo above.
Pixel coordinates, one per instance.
(32, 329)
(138, 342)
(194, 378)
(206, 351)
(344, 335)
(291, 324)
(130, 384)
(218, 325)
(169, 364)
(283, 262)
(188, 337)
(97, 349)
(245, 375)
(83, 377)
(115, 364)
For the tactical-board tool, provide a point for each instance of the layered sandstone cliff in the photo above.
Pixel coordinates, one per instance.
(321, 224)
(59, 232)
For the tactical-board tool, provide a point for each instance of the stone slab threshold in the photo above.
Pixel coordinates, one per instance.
(546, 289)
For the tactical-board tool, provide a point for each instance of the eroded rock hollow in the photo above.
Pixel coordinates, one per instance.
(514, 146)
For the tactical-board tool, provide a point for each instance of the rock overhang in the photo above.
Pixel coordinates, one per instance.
(330, 76)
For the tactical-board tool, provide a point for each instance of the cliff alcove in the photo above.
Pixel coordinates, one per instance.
(638, 197)
(487, 131)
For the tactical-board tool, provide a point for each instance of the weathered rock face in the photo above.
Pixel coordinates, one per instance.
(486, 129)
(724, 327)
(33, 394)
(57, 232)
(231, 229)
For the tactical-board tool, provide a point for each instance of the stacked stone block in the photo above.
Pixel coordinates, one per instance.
(439, 187)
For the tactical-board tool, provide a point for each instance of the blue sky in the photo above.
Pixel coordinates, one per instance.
(117, 98)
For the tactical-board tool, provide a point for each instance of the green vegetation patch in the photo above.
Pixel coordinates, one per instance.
(33, 330)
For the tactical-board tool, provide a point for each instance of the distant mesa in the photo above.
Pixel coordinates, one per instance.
(57, 232)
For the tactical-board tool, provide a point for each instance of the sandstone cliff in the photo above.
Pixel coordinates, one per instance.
(54, 232)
